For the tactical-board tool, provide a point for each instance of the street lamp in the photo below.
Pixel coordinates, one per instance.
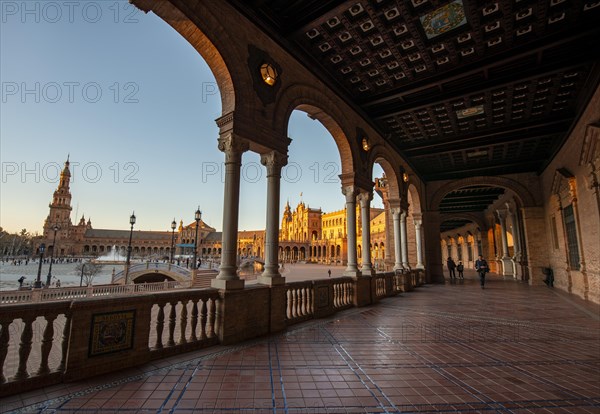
(197, 217)
(173, 225)
(49, 277)
(38, 282)
(132, 222)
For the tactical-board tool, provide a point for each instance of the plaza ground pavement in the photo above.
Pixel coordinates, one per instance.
(511, 348)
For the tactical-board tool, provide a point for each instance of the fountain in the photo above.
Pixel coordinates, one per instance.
(111, 257)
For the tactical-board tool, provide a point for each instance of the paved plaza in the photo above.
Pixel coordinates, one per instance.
(442, 348)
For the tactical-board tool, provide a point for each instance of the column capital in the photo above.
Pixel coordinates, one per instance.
(501, 213)
(233, 147)
(365, 196)
(274, 161)
(396, 211)
(350, 191)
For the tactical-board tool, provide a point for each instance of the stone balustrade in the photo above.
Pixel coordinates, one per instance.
(66, 293)
(74, 334)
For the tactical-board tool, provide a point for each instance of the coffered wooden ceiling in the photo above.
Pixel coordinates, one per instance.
(459, 87)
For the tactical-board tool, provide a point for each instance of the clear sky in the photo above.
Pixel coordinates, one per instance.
(134, 105)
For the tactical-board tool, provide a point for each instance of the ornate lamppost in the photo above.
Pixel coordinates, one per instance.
(132, 222)
(38, 282)
(197, 217)
(49, 277)
(173, 225)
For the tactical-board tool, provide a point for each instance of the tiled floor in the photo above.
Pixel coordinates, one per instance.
(509, 348)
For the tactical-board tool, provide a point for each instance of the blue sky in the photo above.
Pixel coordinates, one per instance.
(133, 104)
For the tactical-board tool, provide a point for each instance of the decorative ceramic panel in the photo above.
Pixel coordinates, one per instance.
(444, 19)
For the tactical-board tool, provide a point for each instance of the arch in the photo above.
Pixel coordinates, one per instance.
(414, 199)
(380, 156)
(318, 106)
(519, 189)
(215, 50)
(475, 218)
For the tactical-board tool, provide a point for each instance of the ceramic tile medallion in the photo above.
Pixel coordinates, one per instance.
(468, 112)
(444, 19)
(112, 332)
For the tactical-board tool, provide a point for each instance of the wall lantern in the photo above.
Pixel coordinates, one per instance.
(268, 73)
(405, 177)
(365, 144)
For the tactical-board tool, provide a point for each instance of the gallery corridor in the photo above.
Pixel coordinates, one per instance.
(510, 348)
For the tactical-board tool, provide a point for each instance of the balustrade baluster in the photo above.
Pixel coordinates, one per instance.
(311, 300)
(4, 337)
(172, 320)
(203, 313)
(211, 319)
(65, 342)
(293, 303)
(194, 320)
(160, 323)
(25, 348)
(288, 303)
(47, 344)
(336, 295)
(301, 303)
(183, 322)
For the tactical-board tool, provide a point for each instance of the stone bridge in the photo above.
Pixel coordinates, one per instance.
(154, 272)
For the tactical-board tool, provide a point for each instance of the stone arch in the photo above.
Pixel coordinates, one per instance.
(519, 189)
(208, 37)
(320, 107)
(379, 156)
(415, 198)
(477, 219)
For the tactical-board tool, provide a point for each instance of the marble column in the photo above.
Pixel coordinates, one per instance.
(419, 243)
(507, 266)
(233, 147)
(404, 239)
(350, 193)
(274, 161)
(516, 241)
(397, 248)
(365, 208)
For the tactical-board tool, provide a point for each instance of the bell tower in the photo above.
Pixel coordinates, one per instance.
(60, 208)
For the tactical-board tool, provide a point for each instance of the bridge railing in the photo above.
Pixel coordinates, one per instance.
(152, 266)
(66, 293)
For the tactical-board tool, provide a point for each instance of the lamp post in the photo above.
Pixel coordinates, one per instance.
(49, 277)
(197, 217)
(38, 282)
(132, 222)
(173, 225)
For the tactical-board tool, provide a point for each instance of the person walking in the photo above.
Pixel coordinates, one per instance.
(451, 266)
(481, 265)
(329, 272)
(460, 268)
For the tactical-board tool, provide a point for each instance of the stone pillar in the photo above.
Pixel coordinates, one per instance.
(507, 264)
(534, 224)
(350, 192)
(419, 243)
(433, 254)
(365, 199)
(516, 240)
(397, 250)
(404, 239)
(233, 147)
(274, 161)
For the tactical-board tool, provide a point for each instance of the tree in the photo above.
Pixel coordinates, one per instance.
(88, 272)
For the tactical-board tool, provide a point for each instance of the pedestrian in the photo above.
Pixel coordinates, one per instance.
(21, 280)
(57, 283)
(460, 269)
(481, 265)
(329, 272)
(451, 266)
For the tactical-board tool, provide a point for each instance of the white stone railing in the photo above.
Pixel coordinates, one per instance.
(153, 266)
(66, 293)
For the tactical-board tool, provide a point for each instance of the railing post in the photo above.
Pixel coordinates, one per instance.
(4, 337)
(25, 348)
(47, 344)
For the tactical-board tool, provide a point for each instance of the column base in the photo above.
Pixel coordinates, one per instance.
(419, 266)
(367, 270)
(507, 266)
(398, 267)
(271, 280)
(355, 273)
(227, 284)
